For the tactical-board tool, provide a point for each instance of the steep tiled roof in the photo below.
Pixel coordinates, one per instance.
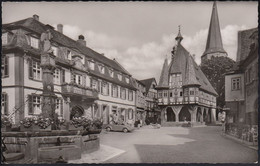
(190, 76)
(38, 27)
(32, 25)
(214, 41)
(244, 42)
(191, 73)
(148, 83)
(163, 82)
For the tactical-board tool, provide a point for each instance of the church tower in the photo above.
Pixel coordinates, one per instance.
(214, 46)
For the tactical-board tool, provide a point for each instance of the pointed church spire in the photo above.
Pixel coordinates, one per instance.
(179, 38)
(214, 41)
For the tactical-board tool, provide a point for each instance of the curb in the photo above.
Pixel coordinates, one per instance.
(241, 142)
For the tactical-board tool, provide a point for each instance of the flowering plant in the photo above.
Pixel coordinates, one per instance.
(5, 121)
(61, 121)
(28, 121)
(97, 123)
(42, 122)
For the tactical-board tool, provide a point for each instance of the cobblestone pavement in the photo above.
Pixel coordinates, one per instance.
(176, 145)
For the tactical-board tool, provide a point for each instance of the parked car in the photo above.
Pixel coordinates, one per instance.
(117, 127)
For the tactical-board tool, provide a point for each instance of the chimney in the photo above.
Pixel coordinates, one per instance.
(82, 40)
(36, 17)
(60, 28)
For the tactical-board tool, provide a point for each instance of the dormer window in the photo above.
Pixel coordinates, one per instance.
(55, 50)
(68, 55)
(34, 42)
(91, 64)
(4, 38)
(127, 80)
(111, 72)
(119, 75)
(101, 68)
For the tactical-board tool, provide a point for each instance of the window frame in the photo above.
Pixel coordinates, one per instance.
(5, 38)
(236, 81)
(4, 96)
(34, 42)
(31, 105)
(5, 66)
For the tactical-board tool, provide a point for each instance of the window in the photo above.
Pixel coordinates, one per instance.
(130, 95)
(192, 92)
(62, 75)
(165, 94)
(127, 80)
(56, 76)
(91, 64)
(111, 72)
(4, 66)
(94, 84)
(4, 104)
(101, 68)
(35, 71)
(55, 50)
(34, 104)
(4, 38)
(119, 75)
(58, 107)
(235, 83)
(34, 42)
(105, 88)
(68, 54)
(114, 91)
(160, 94)
(77, 79)
(170, 94)
(180, 93)
(123, 93)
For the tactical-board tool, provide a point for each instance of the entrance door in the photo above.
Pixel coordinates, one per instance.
(184, 114)
(170, 115)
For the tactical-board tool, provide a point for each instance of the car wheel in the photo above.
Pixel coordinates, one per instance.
(108, 129)
(125, 130)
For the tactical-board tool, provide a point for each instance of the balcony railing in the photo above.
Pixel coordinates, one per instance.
(77, 90)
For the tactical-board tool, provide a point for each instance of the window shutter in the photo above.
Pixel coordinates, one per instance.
(6, 66)
(91, 81)
(6, 112)
(61, 107)
(30, 104)
(108, 89)
(126, 114)
(30, 69)
(62, 77)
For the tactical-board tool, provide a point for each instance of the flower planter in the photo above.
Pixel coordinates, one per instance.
(34, 127)
(73, 128)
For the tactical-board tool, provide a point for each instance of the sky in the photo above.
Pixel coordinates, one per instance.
(140, 35)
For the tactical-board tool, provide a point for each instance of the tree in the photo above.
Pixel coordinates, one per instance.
(215, 70)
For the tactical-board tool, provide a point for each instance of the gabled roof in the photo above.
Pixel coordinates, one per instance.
(244, 42)
(163, 82)
(35, 26)
(214, 41)
(191, 73)
(148, 83)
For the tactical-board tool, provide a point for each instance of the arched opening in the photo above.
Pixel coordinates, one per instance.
(205, 115)
(76, 111)
(199, 115)
(170, 115)
(209, 115)
(184, 114)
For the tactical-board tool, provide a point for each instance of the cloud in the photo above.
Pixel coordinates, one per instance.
(146, 60)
